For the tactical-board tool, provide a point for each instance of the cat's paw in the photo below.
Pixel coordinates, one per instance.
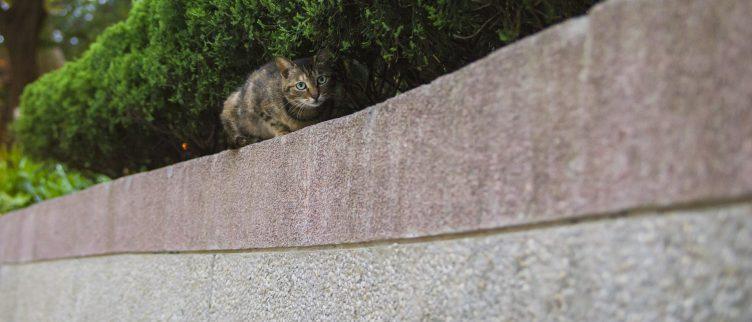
(241, 141)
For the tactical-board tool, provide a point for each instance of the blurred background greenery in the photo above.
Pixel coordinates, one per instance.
(24, 181)
(36, 37)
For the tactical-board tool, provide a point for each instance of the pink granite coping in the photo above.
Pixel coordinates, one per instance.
(639, 104)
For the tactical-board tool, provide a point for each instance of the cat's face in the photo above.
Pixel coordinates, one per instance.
(308, 83)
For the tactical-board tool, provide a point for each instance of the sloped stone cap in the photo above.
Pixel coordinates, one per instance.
(641, 104)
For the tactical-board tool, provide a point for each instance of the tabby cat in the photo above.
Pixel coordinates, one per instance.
(280, 97)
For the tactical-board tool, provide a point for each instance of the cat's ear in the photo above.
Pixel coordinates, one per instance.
(284, 65)
(323, 57)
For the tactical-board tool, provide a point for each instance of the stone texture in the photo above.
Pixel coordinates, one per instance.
(109, 288)
(643, 103)
(678, 266)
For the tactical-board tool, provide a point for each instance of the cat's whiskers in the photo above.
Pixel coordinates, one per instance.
(296, 109)
(300, 108)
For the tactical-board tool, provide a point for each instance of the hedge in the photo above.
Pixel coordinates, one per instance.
(155, 81)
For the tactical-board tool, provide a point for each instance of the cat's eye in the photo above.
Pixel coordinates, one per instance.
(322, 79)
(300, 86)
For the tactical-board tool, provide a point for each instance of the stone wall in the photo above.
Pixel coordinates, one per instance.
(599, 170)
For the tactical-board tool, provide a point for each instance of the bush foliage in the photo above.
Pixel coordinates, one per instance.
(158, 79)
(24, 181)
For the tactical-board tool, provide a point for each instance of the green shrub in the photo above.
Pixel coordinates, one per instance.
(24, 181)
(158, 79)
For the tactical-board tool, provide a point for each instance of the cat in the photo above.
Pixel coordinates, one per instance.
(281, 97)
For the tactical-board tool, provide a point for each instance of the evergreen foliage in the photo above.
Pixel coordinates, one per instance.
(157, 80)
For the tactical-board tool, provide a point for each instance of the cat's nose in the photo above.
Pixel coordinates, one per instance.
(315, 95)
